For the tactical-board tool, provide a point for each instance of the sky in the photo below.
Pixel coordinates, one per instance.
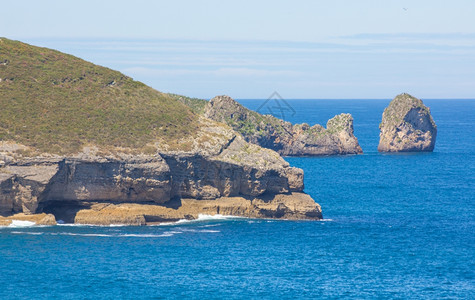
(250, 49)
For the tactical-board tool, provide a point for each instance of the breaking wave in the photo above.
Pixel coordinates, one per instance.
(21, 224)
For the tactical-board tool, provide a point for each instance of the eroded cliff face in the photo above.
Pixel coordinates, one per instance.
(164, 186)
(407, 126)
(281, 136)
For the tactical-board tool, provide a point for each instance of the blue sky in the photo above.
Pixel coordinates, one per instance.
(249, 49)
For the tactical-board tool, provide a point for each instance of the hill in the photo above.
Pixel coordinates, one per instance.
(57, 103)
(86, 144)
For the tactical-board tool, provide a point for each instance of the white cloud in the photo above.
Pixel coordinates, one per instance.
(221, 72)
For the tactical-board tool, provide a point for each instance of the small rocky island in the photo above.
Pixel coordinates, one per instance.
(407, 126)
(281, 136)
(85, 144)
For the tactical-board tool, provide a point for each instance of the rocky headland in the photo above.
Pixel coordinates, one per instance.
(85, 144)
(407, 126)
(281, 136)
(239, 179)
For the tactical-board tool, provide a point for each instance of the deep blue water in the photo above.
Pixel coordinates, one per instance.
(397, 226)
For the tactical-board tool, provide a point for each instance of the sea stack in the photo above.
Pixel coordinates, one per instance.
(407, 126)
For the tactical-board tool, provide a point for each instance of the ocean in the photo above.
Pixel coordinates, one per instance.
(396, 226)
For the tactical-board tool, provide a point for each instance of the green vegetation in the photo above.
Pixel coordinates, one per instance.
(255, 124)
(195, 104)
(398, 108)
(57, 103)
(337, 123)
(245, 127)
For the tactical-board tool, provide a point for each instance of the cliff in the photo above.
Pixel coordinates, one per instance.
(86, 144)
(407, 126)
(283, 137)
(238, 179)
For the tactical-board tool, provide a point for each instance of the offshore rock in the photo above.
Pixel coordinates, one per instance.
(407, 126)
(281, 136)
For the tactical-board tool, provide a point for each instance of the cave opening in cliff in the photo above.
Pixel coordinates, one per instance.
(64, 211)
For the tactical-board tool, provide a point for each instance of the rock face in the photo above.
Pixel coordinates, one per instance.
(407, 126)
(283, 137)
(37, 219)
(239, 179)
(288, 206)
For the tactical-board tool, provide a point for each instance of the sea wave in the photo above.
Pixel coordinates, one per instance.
(21, 224)
(27, 232)
(91, 225)
(165, 234)
(200, 230)
(118, 235)
(202, 218)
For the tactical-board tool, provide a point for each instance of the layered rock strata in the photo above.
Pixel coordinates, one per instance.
(237, 179)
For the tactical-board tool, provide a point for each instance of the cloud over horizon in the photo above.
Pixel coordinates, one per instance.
(248, 49)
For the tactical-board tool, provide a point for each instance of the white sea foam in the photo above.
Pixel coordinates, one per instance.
(84, 234)
(27, 232)
(208, 231)
(91, 225)
(202, 218)
(18, 223)
(175, 232)
(200, 230)
(165, 234)
(209, 225)
(140, 235)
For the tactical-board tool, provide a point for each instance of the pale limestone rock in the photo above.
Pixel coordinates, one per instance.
(284, 206)
(407, 126)
(38, 219)
(283, 137)
(253, 178)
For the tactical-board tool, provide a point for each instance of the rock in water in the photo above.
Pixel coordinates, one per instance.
(407, 126)
(287, 139)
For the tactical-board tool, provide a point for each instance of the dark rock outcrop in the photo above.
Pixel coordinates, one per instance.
(407, 126)
(283, 137)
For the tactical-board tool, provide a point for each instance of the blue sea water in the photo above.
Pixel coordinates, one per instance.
(396, 226)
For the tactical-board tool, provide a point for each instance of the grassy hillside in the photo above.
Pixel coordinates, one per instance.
(58, 103)
(195, 104)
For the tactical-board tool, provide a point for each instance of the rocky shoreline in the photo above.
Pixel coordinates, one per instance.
(106, 149)
(238, 179)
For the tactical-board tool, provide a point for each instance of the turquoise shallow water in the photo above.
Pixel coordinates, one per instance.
(397, 226)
